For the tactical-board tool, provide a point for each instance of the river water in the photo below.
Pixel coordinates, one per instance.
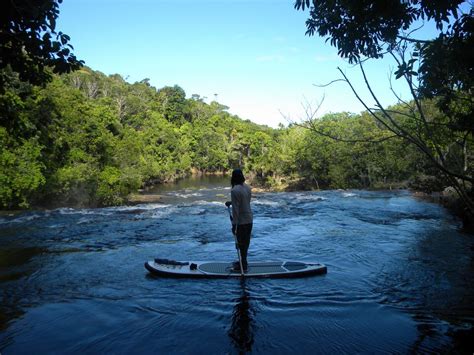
(399, 276)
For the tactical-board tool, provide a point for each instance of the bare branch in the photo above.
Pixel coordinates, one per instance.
(399, 130)
(328, 84)
(310, 125)
(369, 110)
(401, 113)
(420, 111)
(413, 40)
(310, 113)
(339, 139)
(415, 29)
(405, 134)
(400, 100)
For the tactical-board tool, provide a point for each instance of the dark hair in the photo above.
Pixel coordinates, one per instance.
(237, 177)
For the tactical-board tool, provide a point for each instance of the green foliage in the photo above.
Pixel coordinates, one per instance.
(88, 139)
(21, 170)
(29, 43)
(98, 138)
(355, 161)
(446, 72)
(172, 103)
(115, 184)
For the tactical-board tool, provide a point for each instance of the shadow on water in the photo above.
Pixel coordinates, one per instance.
(242, 327)
(13, 262)
(18, 256)
(7, 315)
(14, 266)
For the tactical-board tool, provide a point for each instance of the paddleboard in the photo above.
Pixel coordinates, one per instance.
(205, 269)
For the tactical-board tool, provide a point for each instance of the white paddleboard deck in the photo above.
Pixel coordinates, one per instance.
(203, 269)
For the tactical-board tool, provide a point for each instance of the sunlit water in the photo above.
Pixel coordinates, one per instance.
(399, 277)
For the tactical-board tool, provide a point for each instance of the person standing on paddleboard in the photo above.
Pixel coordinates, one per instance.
(242, 217)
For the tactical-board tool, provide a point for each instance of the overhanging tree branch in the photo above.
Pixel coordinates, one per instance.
(413, 40)
(405, 133)
(311, 124)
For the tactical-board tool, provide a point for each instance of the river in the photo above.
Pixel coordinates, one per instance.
(399, 276)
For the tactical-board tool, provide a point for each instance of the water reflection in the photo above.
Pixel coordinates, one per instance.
(13, 266)
(242, 328)
(18, 256)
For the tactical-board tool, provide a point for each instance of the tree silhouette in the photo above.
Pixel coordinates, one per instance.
(29, 43)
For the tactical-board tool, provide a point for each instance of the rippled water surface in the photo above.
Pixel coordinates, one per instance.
(399, 276)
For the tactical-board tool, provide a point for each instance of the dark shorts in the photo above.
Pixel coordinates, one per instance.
(243, 239)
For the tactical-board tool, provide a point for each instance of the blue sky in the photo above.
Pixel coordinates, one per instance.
(253, 54)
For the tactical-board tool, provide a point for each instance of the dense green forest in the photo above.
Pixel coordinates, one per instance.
(87, 139)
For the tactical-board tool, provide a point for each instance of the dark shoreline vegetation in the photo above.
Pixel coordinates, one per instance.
(90, 140)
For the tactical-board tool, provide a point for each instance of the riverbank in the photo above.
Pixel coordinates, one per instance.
(449, 199)
(152, 194)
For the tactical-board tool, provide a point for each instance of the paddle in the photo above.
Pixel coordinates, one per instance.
(228, 203)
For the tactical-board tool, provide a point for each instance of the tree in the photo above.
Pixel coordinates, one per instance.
(440, 69)
(21, 170)
(172, 102)
(29, 43)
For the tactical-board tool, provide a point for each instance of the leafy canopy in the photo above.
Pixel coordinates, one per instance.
(362, 28)
(29, 43)
(372, 28)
